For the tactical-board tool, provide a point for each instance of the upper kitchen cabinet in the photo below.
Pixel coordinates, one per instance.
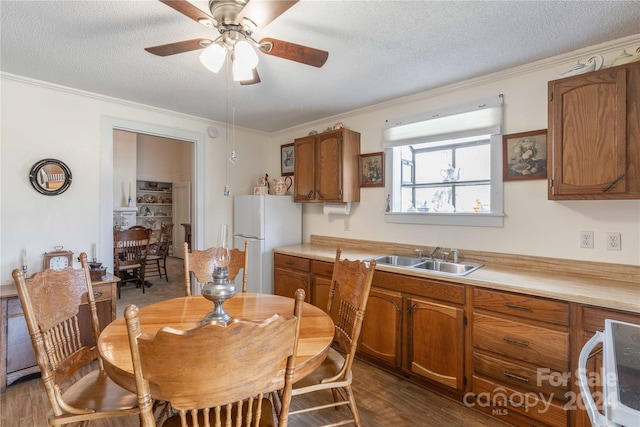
(593, 142)
(326, 167)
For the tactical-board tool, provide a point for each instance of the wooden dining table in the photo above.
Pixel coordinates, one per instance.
(316, 329)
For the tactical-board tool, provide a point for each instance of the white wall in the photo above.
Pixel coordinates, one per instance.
(124, 166)
(41, 121)
(533, 225)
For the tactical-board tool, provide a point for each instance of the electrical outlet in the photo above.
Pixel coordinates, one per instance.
(613, 242)
(347, 224)
(586, 239)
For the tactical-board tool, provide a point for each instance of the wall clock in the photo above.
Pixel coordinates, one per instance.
(50, 177)
(58, 259)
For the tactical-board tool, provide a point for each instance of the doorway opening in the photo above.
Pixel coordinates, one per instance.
(106, 190)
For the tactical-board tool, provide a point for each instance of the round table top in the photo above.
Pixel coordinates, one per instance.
(316, 329)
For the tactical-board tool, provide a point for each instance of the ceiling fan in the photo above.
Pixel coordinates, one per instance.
(236, 20)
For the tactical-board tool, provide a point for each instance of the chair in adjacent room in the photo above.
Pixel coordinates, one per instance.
(200, 264)
(130, 251)
(223, 372)
(51, 301)
(158, 252)
(351, 281)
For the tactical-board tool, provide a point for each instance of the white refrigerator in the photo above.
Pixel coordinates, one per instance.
(267, 222)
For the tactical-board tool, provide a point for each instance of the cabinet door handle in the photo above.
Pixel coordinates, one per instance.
(319, 194)
(310, 195)
(97, 294)
(614, 182)
(516, 306)
(394, 303)
(516, 342)
(412, 307)
(516, 377)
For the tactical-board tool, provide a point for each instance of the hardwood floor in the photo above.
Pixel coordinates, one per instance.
(384, 400)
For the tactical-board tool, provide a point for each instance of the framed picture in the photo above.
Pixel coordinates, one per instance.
(524, 155)
(286, 159)
(371, 168)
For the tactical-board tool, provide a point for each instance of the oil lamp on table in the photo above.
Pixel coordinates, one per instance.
(220, 288)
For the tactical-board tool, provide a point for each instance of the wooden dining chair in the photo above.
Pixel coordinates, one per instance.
(351, 281)
(158, 252)
(220, 372)
(130, 251)
(200, 264)
(51, 301)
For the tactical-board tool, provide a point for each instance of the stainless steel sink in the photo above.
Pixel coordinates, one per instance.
(436, 266)
(455, 268)
(398, 260)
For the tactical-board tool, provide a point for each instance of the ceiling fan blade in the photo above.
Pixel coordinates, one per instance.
(190, 11)
(254, 80)
(262, 12)
(178, 47)
(294, 52)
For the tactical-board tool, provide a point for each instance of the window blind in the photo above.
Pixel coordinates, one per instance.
(481, 117)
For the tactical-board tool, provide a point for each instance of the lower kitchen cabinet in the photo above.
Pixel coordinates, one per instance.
(290, 274)
(435, 342)
(521, 357)
(417, 327)
(511, 355)
(381, 333)
(322, 273)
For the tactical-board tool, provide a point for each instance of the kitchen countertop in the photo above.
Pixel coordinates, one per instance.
(602, 292)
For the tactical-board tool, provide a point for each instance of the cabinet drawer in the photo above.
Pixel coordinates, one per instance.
(539, 346)
(522, 306)
(504, 400)
(321, 268)
(593, 318)
(292, 262)
(549, 383)
(100, 293)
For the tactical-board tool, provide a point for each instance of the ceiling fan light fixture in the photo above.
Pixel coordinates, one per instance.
(245, 54)
(240, 72)
(213, 57)
(206, 22)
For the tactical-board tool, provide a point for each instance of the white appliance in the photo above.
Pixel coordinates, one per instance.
(620, 375)
(267, 222)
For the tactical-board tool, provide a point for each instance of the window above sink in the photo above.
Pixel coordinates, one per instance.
(445, 167)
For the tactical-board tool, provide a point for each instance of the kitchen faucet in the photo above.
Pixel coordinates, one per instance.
(420, 255)
(434, 252)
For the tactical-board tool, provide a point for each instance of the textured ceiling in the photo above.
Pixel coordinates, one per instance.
(378, 50)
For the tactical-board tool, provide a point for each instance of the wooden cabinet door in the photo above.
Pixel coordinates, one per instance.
(304, 166)
(287, 282)
(435, 342)
(587, 135)
(329, 167)
(321, 287)
(381, 329)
